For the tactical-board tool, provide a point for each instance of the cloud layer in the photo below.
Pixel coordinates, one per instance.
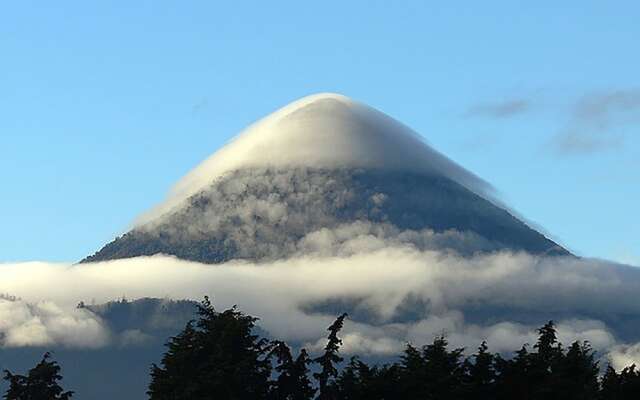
(395, 293)
(45, 323)
(321, 131)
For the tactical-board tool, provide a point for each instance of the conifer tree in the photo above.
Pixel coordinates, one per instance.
(218, 357)
(433, 372)
(610, 385)
(349, 385)
(480, 381)
(548, 350)
(359, 381)
(413, 372)
(292, 382)
(575, 375)
(545, 362)
(40, 383)
(328, 361)
(300, 375)
(444, 370)
(513, 376)
(624, 385)
(178, 377)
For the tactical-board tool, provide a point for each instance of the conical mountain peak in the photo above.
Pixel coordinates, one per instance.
(325, 130)
(325, 175)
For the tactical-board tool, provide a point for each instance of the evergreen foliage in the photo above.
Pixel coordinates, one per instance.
(293, 381)
(40, 383)
(328, 360)
(219, 356)
(546, 372)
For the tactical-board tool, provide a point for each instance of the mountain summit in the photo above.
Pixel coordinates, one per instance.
(324, 175)
(325, 130)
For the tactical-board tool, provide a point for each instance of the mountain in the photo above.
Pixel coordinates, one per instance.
(325, 175)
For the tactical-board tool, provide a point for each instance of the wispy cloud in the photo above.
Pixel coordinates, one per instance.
(504, 109)
(449, 294)
(594, 122)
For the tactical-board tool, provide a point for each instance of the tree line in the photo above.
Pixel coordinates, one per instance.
(219, 356)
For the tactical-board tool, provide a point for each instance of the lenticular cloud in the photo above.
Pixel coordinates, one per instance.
(325, 130)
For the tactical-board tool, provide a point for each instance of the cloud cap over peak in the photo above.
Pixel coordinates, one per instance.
(325, 130)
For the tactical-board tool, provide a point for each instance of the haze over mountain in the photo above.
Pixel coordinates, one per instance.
(315, 177)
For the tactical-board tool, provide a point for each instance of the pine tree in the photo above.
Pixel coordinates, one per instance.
(218, 357)
(328, 361)
(620, 386)
(385, 382)
(349, 385)
(300, 376)
(412, 372)
(545, 362)
(575, 375)
(359, 381)
(444, 370)
(40, 383)
(513, 376)
(433, 372)
(292, 382)
(178, 378)
(480, 381)
(548, 350)
(610, 385)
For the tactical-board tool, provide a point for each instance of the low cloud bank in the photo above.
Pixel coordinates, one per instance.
(395, 294)
(45, 323)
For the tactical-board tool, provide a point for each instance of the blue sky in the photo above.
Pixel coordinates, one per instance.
(104, 105)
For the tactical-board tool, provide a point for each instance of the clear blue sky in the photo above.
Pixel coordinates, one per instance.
(103, 105)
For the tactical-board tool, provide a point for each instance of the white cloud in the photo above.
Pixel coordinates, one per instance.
(46, 323)
(624, 355)
(379, 281)
(324, 131)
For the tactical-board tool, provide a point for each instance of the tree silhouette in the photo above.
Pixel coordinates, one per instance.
(513, 376)
(576, 374)
(480, 382)
(444, 370)
(355, 381)
(300, 374)
(40, 383)
(433, 372)
(544, 362)
(620, 386)
(292, 382)
(217, 358)
(413, 372)
(610, 387)
(359, 381)
(328, 361)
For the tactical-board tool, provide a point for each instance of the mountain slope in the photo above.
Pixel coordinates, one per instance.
(325, 176)
(264, 214)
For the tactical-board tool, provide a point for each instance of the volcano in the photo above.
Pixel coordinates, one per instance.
(325, 175)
